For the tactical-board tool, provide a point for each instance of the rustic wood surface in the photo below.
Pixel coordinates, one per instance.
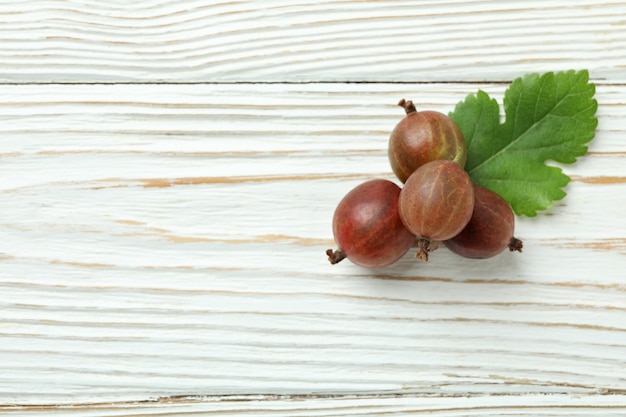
(168, 174)
(308, 40)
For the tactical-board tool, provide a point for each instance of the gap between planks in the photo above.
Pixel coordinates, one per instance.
(242, 398)
(599, 81)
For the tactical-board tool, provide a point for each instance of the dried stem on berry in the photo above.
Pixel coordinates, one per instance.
(408, 106)
(424, 247)
(334, 257)
(515, 245)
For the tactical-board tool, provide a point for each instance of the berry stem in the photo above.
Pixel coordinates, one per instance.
(424, 247)
(515, 245)
(408, 106)
(334, 257)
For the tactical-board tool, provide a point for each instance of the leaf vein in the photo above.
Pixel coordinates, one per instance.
(515, 140)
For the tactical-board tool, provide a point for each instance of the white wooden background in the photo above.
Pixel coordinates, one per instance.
(168, 174)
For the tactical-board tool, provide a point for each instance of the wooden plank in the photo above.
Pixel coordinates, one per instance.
(320, 406)
(163, 240)
(308, 40)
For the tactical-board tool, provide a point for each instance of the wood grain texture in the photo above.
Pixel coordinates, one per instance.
(168, 174)
(380, 405)
(164, 240)
(308, 40)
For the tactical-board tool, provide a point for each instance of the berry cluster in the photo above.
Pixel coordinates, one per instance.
(377, 222)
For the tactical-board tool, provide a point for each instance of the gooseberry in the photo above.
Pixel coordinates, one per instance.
(437, 200)
(367, 226)
(490, 229)
(422, 137)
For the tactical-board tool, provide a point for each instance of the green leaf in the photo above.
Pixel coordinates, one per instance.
(549, 117)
